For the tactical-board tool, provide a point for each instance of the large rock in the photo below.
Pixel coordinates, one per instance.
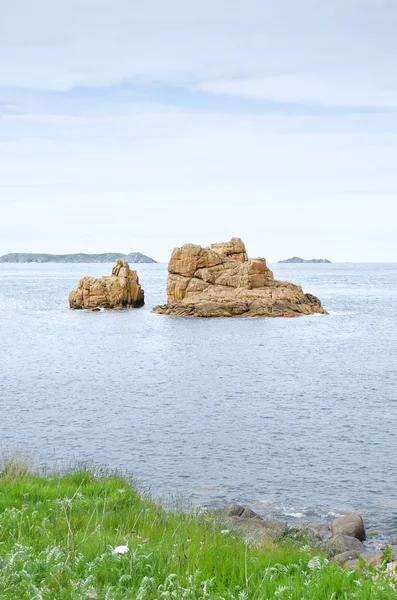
(351, 525)
(121, 290)
(250, 524)
(221, 281)
(344, 543)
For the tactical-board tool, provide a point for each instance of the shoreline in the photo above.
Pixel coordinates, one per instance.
(93, 535)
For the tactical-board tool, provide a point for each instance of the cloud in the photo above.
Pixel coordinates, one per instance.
(172, 176)
(308, 49)
(173, 121)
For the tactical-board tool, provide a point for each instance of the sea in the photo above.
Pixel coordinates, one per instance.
(296, 418)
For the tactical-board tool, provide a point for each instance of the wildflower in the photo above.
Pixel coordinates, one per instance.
(121, 550)
(224, 531)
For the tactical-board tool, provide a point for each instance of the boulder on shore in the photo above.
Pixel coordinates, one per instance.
(345, 543)
(250, 524)
(221, 281)
(120, 290)
(351, 525)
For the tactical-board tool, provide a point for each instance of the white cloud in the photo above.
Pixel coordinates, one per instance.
(168, 177)
(344, 51)
(74, 178)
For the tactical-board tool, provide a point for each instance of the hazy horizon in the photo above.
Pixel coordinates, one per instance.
(144, 127)
(165, 260)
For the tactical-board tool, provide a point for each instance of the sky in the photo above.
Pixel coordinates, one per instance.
(140, 126)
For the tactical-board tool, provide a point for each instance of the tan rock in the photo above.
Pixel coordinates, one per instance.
(221, 281)
(121, 290)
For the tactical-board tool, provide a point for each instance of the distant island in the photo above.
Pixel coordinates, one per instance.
(297, 259)
(107, 257)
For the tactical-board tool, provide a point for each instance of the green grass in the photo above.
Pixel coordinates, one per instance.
(58, 534)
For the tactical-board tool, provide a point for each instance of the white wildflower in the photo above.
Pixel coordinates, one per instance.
(314, 564)
(121, 550)
(280, 590)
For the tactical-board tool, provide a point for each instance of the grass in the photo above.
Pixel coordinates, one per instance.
(58, 535)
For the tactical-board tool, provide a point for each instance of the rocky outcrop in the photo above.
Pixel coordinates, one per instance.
(250, 524)
(221, 281)
(121, 290)
(348, 533)
(346, 549)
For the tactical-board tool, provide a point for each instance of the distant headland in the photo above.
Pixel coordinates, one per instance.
(107, 257)
(297, 259)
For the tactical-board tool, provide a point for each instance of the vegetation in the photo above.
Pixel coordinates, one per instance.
(92, 535)
(107, 257)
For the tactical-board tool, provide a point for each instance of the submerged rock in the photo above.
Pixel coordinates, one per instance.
(121, 290)
(221, 281)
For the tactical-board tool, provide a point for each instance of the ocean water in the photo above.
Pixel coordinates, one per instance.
(294, 417)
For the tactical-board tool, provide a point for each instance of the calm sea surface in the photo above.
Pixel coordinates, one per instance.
(297, 418)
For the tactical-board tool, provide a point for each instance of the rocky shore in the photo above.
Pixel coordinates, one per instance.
(86, 534)
(343, 539)
(221, 281)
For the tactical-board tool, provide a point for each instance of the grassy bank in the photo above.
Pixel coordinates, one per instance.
(58, 535)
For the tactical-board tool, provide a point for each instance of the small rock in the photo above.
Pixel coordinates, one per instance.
(345, 543)
(351, 525)
(322, 531)
(344, 557)
(236, 510)
(233, 510)
(259, 530)
(371, 558)
(351, 564)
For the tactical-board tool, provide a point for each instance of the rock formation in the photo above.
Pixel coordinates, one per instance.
(221, 281)
(121, 290)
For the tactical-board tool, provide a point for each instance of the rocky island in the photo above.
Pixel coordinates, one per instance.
(221, 281)
(298, 260)
(107, 257)
(121, 290)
